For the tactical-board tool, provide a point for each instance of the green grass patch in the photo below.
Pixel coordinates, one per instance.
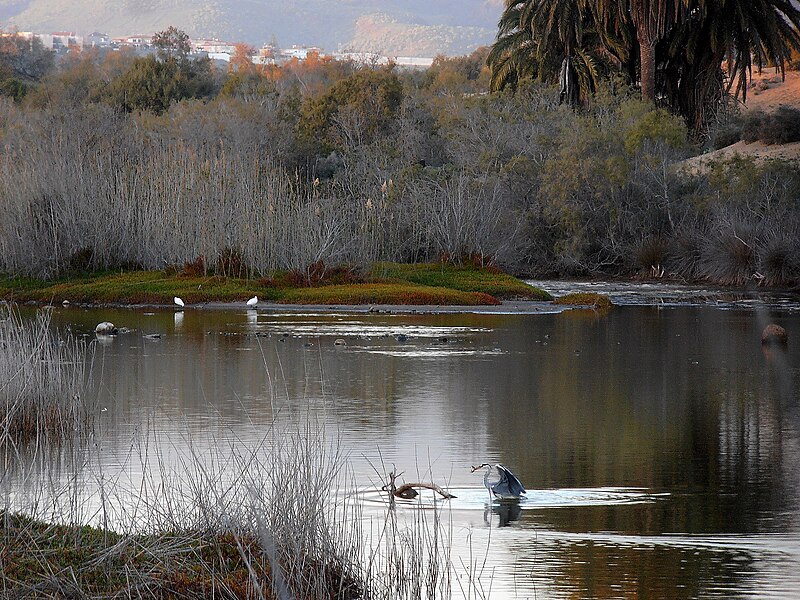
(466, 279)
(590, 299)
(386, 283)
(385, 293)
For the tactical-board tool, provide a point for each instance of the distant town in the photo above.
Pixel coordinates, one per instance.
(62, 42)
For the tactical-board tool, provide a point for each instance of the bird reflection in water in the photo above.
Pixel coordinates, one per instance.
(507, 511)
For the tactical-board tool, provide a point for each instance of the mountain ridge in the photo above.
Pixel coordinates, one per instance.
(415, 27)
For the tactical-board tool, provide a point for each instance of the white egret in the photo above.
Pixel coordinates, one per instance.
(178, 301)
(253, 301)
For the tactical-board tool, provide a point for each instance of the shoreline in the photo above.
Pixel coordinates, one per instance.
(506, 307)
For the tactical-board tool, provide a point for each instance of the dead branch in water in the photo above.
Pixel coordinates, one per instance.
(408, 491)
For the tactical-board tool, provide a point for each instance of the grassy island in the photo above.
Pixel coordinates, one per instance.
(384, 283)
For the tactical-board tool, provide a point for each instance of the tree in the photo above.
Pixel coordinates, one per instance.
(652, 20)
(555, 40)
(242, 61)
(675, 47)
(742, 34)
(153, 85)
(172, 42)
(26, 59)
(355, 108)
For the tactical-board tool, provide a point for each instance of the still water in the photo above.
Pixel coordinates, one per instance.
(660, 444)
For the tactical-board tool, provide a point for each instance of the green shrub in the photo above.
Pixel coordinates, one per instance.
(645, 124)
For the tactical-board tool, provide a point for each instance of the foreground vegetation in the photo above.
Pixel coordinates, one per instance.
(253, 520)
(49, 560)
(386, 283)
(44, 391)
(112, 162)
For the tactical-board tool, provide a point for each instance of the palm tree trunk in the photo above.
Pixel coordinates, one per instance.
(647, 64)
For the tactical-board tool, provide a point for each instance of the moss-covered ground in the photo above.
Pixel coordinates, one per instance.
(385, 283)
(588, 299)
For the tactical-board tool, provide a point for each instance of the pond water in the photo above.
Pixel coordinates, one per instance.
(659, 443)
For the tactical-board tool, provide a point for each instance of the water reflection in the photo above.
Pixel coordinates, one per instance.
(505, 511)
(679, 401)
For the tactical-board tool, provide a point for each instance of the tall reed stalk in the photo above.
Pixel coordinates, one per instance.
(43, 389)
(211, 518)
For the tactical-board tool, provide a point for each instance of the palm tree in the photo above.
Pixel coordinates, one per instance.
(652, 20)
(552, 40)
(742, 34)
(515, 54)
(680, 44)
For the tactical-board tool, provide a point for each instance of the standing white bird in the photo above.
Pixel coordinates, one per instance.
(253, 301)
(178, 301)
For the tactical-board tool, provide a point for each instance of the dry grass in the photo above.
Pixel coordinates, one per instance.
(43, 389)
(204, 518)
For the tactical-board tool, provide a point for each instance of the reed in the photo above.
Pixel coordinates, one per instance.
(43, 389)
(208, 518)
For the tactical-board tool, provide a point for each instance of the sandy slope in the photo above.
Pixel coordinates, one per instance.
(767, 91)
(757, 150)
(777, 92)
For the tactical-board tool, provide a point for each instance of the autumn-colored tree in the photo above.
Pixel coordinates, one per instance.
(459, 74)
(242, 61)
(26, 59)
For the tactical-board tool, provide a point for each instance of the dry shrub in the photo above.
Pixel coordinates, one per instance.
(687, 254)
(230, 263)
(195, 268)
(81, 260)
(782, 126)
(652, 253)
(752, 126)
(779, 260)
(730, 257)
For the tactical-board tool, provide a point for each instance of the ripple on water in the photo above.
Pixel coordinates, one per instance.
(474, 498)
(377, 330)
(672, 295)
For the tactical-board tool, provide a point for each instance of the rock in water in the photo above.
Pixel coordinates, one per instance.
(774, 334)
(105, 328)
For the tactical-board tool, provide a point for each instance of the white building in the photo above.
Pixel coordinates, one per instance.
(97, 40)
(213, 46)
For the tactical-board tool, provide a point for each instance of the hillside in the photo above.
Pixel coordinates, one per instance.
(766, 93)
(416, 27)
(382, 34)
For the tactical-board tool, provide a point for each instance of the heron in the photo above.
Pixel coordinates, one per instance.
(178, 301)
(505, 486)
(253, 301)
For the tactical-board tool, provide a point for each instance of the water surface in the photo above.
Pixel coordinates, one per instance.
(660, 443)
